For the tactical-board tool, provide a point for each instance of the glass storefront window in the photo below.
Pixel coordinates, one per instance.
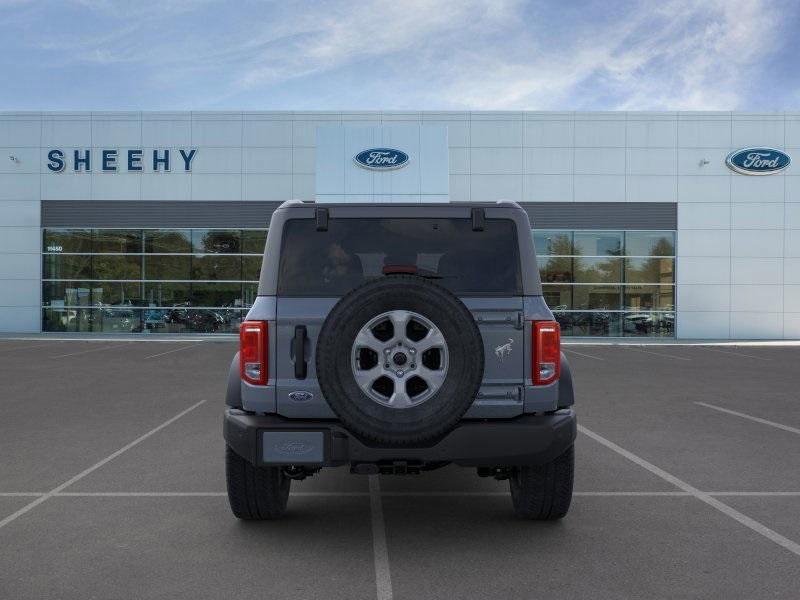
(552, 242)
(227, 241)
(117, 266)
(67, 240)
(251, 268)
(597, 297)
(555, 269)
(149, 280)
(598, 283)
(558, 297)
(249, 293)
(609, 283)
(139, 320)
(67, 266)
(589, 324)
(167, 293)
(253, 241)
(216, 267)
(650, 270)
(598, 270)
(649, 324)
(650, 243)
(91, 293)
(649, 297)
(217, 294)
(168, 241)
(598, 243)
(177, 268)
(117, 240)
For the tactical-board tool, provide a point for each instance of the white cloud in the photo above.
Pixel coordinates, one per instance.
(684, 56)
(323, 39)
(473, 54)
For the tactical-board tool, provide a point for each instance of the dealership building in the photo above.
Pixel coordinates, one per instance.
(647, 225)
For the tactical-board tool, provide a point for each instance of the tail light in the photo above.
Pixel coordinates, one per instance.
(253, 354)
(546, 351)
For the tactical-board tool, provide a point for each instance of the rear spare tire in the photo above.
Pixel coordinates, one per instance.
(399, 360)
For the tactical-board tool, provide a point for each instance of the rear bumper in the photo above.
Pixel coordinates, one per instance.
(274, 440)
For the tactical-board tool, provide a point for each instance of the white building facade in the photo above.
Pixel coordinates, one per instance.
(154, 222)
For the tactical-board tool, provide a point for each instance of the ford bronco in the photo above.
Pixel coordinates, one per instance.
(399, 338)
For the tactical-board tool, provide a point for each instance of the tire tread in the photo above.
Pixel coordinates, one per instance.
(544, 492)
(255, 493)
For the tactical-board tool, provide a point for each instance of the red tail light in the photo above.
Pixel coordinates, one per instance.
(253, 340)
(546, 351)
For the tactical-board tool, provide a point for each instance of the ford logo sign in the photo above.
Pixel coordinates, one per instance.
(300, 396)
(294, 448)
(381, 159)
(758, 161)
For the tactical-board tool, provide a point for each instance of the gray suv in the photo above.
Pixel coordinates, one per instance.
(399, 338)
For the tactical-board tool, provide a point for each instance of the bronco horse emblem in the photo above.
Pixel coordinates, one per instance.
(504, 350)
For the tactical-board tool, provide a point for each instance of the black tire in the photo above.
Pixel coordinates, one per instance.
(544, 493)
(417, 424)
(255, 493)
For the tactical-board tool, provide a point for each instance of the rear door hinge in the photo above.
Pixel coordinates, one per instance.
(321, 216)
(478, 219)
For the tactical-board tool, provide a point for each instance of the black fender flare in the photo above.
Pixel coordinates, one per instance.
(233, 393)
(566, 392)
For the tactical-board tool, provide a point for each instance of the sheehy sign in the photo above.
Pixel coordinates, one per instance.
(133, 160)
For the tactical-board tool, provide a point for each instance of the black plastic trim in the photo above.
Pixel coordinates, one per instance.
(299, 351)
(233, 393)
(525, 440)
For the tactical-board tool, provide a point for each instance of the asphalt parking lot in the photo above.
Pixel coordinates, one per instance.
(112, 486)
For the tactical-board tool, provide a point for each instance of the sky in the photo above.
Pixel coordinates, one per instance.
(400, 55)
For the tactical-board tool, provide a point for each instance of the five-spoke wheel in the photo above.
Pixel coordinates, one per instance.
(399, 359)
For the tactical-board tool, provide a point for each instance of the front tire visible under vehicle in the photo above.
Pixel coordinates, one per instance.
(255, 493)
(544, 492)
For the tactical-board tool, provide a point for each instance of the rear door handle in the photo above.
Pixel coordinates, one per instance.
(299, 350)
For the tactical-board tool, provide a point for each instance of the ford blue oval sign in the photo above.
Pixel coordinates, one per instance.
(758, 161)
(381, 159)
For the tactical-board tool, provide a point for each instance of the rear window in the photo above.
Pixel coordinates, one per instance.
(352, 251)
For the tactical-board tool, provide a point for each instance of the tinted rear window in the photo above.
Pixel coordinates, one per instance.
(352, 251)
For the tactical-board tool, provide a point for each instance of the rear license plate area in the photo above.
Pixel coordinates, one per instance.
(292, 447)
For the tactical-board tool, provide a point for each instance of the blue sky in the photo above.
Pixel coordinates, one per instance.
(400, 54)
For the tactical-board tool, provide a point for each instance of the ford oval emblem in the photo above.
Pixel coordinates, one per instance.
(758, 161)
(300, 396)
(295, 448)
(381, 159)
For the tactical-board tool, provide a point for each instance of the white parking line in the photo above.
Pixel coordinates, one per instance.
(192, 494)
(657, 353)
(90, 350)
(194, 345)
(581, 354)
(741, 354)
(751, 418)
(383, 494)
(24, 348)
(755, 494)
(94, 467)
(380, 551)
(734, 514)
